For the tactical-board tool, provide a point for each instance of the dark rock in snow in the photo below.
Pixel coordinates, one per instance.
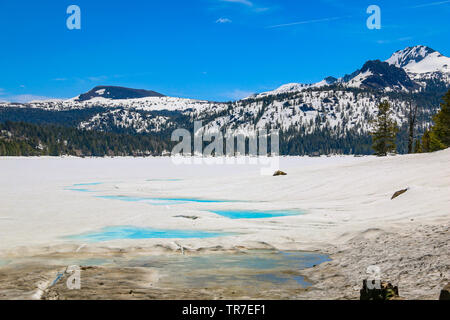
(187, 217)
(399, 193)
(385, 291)
(445, 293)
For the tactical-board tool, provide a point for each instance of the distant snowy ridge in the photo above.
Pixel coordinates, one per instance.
(293, 87)
(145, 104)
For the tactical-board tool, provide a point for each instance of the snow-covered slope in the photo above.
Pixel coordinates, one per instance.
(126, 119)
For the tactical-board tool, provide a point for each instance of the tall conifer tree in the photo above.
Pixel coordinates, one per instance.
(440, 133)
(384, 131)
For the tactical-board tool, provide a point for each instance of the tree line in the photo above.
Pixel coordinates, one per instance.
(26, 139)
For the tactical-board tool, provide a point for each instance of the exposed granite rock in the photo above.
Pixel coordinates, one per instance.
(187, 217)
(399, 193)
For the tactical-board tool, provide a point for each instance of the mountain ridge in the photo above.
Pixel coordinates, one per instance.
(330, 116)
(420, 63)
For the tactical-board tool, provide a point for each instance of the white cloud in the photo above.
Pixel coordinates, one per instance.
(24, 98)
(238, 94)
(97, 78)
(223, 20)
(306, 22)
(431, 4)
(261, 9)
(244, 2)
(395, 40)
(252, 7)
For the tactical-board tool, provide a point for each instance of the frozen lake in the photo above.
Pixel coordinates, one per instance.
(126, 213)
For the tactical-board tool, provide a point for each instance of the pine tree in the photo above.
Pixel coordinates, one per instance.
(418, 146)
(440, 133)
(426, 141)
(412, 122)
(385, 131)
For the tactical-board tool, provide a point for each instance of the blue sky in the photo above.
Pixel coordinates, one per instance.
(210, 49)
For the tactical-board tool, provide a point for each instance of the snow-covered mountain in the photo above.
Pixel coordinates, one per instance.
(409, 69)
(411, 56)
(381, 76)
(406, 70)
(422, 63)
(338, 108)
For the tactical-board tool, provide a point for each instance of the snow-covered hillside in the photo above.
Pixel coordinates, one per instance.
(126, 119)
(337, 111)
(145, 104)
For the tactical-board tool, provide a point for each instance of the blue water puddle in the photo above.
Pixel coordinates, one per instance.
(261, 260)
(79, 189)
(87, 184)
(308, 259)
(253, 214)
(194, 200)
(130, 232)
(160, 201)
(279, 279)
(251, 268)
(4, 262)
